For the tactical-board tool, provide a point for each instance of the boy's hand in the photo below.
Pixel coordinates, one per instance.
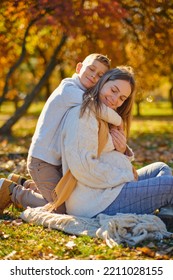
(118, 138)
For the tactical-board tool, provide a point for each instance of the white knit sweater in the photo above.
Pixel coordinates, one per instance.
(46, 139)
(100, 180)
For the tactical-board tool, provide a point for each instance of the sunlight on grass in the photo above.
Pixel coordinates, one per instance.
(25, 127)
(155, 109)
(8, 108)
(161, 126)
(146, 108)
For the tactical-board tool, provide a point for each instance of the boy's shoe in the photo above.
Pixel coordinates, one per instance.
(6, 189)
(16, 179)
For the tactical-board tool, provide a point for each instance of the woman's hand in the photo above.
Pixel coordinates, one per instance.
(118, 138)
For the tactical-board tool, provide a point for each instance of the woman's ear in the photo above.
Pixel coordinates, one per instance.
(78, 67)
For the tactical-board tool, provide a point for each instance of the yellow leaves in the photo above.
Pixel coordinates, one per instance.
(2, 27)
(90, 4)
(41, 37)
(137, 18)
(13, 13)
(9, 165)
(32, 43)
(9, 10)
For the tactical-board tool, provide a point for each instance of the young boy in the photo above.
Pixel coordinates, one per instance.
(44, 157)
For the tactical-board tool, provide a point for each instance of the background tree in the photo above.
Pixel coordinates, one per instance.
(43, 40)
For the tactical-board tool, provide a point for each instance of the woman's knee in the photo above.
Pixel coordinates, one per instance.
(164, 169)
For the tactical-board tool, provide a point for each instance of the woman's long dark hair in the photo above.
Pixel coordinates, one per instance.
(91, 96)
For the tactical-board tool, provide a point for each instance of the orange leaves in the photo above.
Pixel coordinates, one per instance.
(124, 30)
(12, 94)
(147, 251)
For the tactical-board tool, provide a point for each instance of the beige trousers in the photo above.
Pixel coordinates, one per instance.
(45, 176)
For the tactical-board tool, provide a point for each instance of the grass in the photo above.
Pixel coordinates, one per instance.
(27, 241)
(151, 139)
(36, 242)
(154, 109)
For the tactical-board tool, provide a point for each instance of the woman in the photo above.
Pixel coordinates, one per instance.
(107, 183)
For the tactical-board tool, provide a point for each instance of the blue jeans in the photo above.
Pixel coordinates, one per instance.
(153, 190)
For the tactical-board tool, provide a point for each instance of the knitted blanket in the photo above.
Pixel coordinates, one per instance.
(121, 228)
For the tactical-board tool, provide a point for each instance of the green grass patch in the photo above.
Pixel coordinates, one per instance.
(154, 109)
(8, 108)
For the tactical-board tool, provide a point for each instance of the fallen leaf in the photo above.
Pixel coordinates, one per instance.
(17, 222)
(70, 244)
(147, 251)
(10, 255)
(3, 235)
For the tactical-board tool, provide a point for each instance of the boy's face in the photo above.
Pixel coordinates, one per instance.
(90, 72)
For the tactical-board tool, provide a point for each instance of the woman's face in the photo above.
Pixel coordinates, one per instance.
(114, 93)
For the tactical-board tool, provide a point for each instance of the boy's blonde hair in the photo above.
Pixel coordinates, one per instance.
(99, 57)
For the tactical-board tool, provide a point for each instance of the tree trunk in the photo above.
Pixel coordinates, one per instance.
(17, 63)
(6, 128)
(138, 112)
(171, 96)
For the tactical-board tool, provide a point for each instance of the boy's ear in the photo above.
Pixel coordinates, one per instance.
(78, 67)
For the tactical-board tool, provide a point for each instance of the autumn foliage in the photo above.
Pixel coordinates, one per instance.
(42, 40)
